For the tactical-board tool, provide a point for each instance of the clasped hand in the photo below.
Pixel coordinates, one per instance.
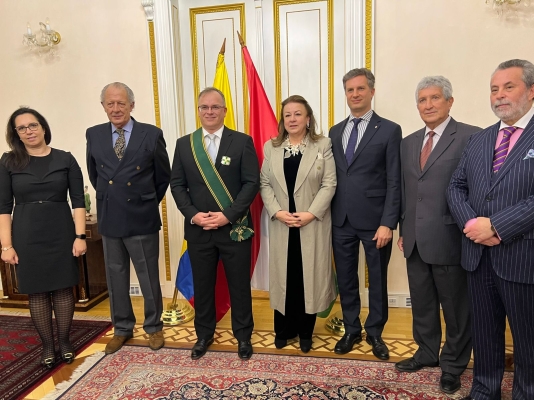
(480, 232)
(294, 220)
(210, 220)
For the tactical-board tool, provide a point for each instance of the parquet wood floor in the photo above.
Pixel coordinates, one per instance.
(397, 335)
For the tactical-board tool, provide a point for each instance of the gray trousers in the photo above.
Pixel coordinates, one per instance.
(430, 286)
(143, 250)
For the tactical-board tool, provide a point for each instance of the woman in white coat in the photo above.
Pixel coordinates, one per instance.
(298, 181)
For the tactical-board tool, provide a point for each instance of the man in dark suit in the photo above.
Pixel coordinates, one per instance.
(491, 197)
(365, 208)
(430, 239)
(129, 168)
(210, 158)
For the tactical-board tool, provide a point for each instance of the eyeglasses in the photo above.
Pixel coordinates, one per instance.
(32, 127)
(212, 108)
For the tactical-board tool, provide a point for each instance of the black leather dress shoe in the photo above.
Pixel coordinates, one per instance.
(411, 365)
(200, 348)
(380, 350)
(449, 383)
(244, 349)
(344, 345)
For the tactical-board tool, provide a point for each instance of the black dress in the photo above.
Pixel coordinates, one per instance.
(295, 321)
(43, 228)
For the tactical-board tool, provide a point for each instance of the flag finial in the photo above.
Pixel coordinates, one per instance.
(223, 47)
(241, 41)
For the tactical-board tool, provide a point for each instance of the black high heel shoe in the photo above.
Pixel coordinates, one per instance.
(68, 357)
(48, 362)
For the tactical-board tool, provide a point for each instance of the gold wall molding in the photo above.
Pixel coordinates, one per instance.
(368, 32)
(164, 219)
(330, 40)
(193, 13)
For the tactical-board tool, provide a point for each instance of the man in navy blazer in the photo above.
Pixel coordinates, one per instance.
(491, 196)
(365, 208)
(129, 168)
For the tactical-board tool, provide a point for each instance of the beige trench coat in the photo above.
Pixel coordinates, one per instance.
(314, 188)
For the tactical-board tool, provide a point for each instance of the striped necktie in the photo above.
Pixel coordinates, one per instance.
(502, 151)
(427, 149)
(120, 144)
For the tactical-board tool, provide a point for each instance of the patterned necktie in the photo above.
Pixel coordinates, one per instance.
(353, 140)
(120, 144)
(427, 149)
(212, 147)
(502, 151)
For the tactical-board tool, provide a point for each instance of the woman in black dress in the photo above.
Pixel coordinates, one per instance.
(41, 239)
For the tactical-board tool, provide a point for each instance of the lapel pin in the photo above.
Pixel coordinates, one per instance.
(530, 154)
(225, 160)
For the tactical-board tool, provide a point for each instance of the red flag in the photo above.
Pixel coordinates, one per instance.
(262, 126)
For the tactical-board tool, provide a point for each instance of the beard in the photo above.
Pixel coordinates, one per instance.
(515, 110)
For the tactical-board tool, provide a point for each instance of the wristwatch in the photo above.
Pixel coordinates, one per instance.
(82, 236)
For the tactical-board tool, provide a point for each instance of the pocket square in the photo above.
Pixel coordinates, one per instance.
(530, 154)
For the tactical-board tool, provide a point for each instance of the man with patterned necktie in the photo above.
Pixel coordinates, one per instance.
(491, 197)
(365, 208)
(430, 238)
(215, 177)
(129, 168)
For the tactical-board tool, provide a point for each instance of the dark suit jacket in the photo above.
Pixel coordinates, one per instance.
(425, 215)
(368, 190)
(241, 177)
(129, 191)
(506, 197)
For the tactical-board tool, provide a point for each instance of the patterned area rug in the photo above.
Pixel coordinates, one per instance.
(170, 374)
(20, 352)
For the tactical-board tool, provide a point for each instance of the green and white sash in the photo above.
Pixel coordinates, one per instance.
(240, 231)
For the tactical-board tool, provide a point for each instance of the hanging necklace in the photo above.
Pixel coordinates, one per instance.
(294, 149)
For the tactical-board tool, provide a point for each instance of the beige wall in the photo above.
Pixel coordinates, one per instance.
(460, 39)
(102, 41)
(107, 40)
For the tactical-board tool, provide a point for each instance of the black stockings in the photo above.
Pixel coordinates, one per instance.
(41, 304)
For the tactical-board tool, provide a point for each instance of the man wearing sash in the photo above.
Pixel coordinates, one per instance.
(215, 177)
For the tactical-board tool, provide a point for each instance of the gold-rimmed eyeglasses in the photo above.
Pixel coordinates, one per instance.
(215, 108)
(23, 129)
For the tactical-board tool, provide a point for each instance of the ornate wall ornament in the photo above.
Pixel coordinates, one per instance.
(148, 5)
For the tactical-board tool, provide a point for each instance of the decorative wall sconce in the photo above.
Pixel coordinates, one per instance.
(45, 38)
(500, 4)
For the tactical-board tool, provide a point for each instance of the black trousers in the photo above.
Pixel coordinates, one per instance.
(236, 257)
(295, 321)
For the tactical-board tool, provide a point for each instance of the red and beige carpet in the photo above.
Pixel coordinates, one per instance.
(20, 352)
(170, 374)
